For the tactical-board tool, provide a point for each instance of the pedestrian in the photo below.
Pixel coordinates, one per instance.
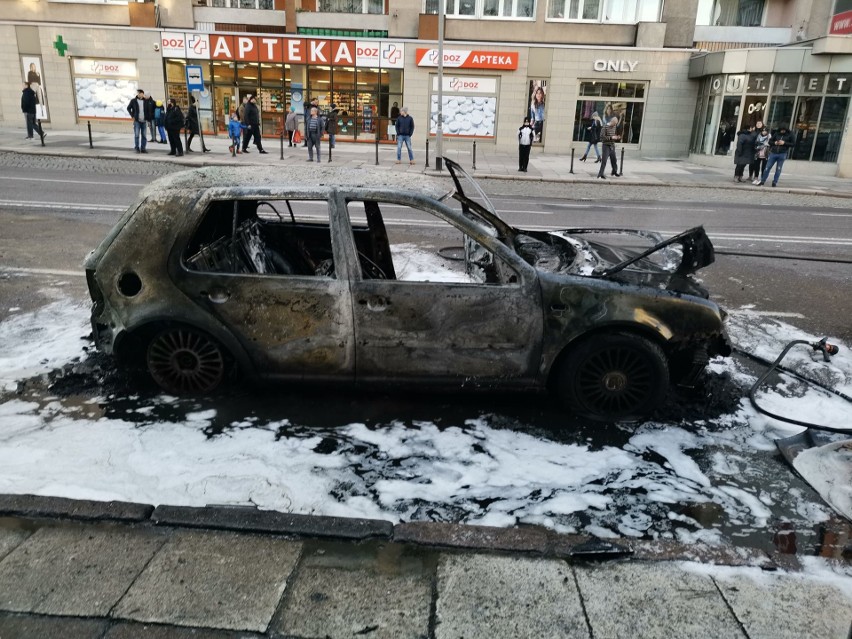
(525, 140)
(174, 123)
(394, 114)
(291, 124)
(235, 129)
(151, 105)
(160, 120)
(537, 112)
(593, 132)
(609, 136)
(142, 113)
(314, 126)
(252, 122)
(761, 154)
(313, 104)
(744, 154)
(193, 127)
(404, 131)
(779, 143)
(241, 110)
(28, 108)
(331, 125)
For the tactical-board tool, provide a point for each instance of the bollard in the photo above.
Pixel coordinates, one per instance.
(474, 155)
(427, 154)
(571, 170)
(621, 166)
(91, 146)
(41, 134)
(282, 145)
(377, 150)
(329, 149)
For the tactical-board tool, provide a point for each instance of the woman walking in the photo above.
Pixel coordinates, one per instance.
(192, 126)
(174, 123)
(593, 137)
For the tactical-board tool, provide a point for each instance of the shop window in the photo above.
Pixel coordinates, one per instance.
(807, 113)
(351, 6)
(831, 125)
(780, 112)
(624, 100)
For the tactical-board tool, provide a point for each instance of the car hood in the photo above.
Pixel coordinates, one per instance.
(627, 255)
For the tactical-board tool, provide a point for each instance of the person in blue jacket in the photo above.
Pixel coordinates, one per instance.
(235, 130)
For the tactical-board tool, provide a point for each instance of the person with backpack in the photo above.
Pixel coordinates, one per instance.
(525, 140)
(594, 136)
(174, 123)
(609, 137)
(251, 120)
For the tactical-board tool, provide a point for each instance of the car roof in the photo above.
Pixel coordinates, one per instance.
(302, 177)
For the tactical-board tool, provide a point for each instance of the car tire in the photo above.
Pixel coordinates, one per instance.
(614, 377)
(185, 361)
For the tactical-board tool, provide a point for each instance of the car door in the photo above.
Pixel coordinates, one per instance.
(295, 324)
(424, 318)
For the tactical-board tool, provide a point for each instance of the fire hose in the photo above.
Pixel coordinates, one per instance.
(827, 351)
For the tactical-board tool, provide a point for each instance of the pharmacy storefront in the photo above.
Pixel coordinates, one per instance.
(790, 87)
(363, 79)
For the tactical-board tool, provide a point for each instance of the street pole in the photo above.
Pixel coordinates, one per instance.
(439, 133)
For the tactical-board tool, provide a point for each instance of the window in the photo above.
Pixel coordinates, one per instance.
(624, 100)
(730, 13)
(615, 11)
(260, 237)
(513, 9)
(245, 4)
(351, 6)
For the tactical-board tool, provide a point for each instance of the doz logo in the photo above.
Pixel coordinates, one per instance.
(104, 68)
(433, 56)
(458, 84)
(392, 54)
(173, 43)
(198, 45)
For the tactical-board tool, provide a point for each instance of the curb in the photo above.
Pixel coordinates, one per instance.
(531, 540)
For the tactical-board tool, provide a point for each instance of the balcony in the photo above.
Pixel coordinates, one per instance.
(364, 22)
(715, 38)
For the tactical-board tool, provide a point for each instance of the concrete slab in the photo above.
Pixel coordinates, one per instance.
(11, 536)
(345, 590)
(491, 597)
(771, 605)
(654, 601)
(17, 626)
(213, 580)
(77, 570)
(127, 630)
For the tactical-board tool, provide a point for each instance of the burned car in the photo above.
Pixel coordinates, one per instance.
(389, 278)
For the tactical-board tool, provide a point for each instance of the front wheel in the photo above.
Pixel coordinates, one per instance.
(185, 361)
(614, 377)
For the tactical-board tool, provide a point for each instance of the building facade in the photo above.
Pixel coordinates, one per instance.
(557, 61)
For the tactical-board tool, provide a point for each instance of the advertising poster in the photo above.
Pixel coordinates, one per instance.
(104, 88)
(31, 65)
(841, 20)
(537, 109)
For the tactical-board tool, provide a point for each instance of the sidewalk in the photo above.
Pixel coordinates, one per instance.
(489, 163)
(98, 570)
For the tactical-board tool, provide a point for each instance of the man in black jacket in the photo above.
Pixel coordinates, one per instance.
(780, 142)
(251, 118)
(142, 112)
(28, 108)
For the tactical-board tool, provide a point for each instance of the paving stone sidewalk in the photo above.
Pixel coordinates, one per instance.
(94, 571)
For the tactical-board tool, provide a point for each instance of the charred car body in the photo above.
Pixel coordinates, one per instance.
(355, 276)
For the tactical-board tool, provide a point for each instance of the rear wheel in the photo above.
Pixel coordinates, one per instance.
(185, 361)
(614, 377)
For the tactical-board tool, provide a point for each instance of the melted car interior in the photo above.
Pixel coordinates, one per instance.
(282, 237)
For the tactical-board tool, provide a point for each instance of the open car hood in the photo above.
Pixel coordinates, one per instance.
(629, 255)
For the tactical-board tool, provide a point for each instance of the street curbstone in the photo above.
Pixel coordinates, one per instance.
(38, 506)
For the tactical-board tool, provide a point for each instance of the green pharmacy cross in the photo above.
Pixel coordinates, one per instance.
(60, 46)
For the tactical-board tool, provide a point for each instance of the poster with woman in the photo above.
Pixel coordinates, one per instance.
(31, 65)
(537, 111)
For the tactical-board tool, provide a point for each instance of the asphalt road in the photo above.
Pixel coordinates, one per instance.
(788, 256)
